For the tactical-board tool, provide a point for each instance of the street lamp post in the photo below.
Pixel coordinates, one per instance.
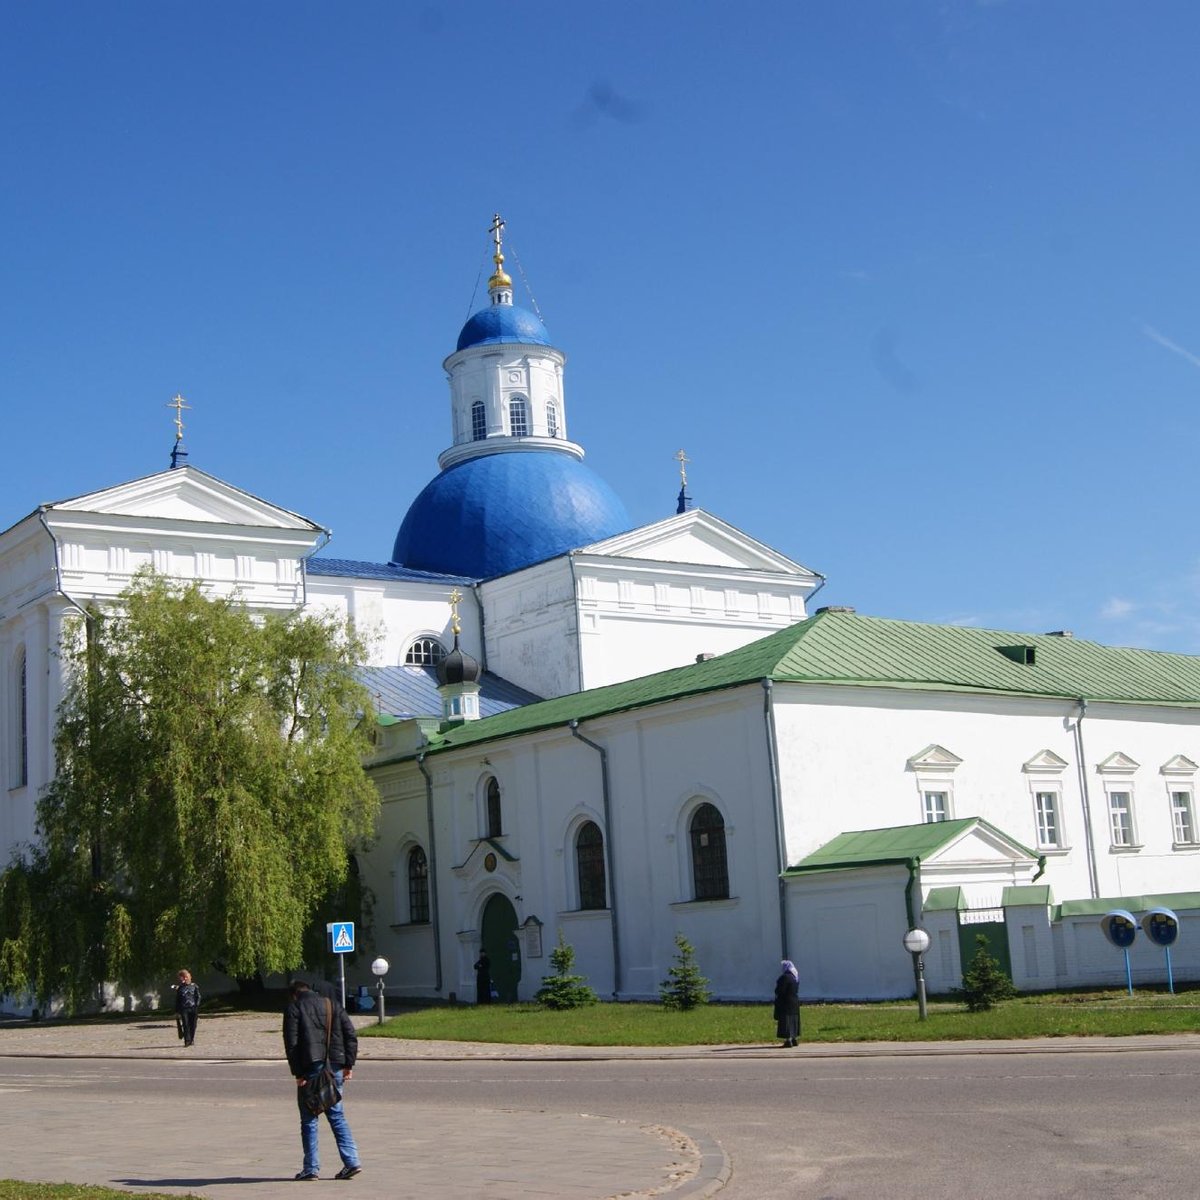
(916, 942)
(380, 967)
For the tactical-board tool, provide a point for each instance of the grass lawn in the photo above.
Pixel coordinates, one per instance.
(17, 1189)
(1104, 1014)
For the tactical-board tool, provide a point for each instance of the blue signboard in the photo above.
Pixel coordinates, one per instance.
(341, 937)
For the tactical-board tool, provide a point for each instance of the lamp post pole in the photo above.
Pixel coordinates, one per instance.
(380, 968)
(916, 942)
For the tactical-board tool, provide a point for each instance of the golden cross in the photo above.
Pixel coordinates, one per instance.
(178, 404)
(496, 229)
(682, 459)
(455, 600)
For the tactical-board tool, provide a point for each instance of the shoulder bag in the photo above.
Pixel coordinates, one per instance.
(321, 1092)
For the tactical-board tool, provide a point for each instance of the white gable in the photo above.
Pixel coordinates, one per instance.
(185, 494)
(698, 538)
(978, 845)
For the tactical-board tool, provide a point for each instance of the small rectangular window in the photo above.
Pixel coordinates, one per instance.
(1120, 812)
(936, 807)
(1046, 805)
(1182, 818)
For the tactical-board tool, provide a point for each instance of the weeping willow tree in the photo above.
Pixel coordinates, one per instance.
(209, 790)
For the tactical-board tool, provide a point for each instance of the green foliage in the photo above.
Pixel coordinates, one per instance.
(209, 786)
(562, 989)
(984, 983)
(684, 988)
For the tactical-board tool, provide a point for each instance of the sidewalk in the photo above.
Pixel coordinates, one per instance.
(258, 1036)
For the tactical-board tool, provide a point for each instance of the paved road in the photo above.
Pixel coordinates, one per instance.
(124, 1104)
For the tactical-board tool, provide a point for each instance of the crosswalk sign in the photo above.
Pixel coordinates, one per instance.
(341, 937)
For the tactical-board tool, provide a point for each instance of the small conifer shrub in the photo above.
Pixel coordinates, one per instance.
(684, 987)
(562, 989)
(984, 982)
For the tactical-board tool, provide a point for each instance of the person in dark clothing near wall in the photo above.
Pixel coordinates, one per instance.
(483, 978)
(304, 1025)
(187, 1007)
(787, 1004)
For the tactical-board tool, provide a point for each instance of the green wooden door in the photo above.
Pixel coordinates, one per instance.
(996, 933)
(503, 946)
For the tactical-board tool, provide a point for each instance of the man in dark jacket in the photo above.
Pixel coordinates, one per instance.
(304, 1032)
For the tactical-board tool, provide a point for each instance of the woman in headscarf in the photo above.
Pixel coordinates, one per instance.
(787, 1004)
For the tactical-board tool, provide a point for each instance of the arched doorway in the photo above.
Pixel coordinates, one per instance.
(503, 946)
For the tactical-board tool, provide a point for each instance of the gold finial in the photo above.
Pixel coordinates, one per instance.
(455, 600)
(682, 459)
(178, 404)
(500, 277)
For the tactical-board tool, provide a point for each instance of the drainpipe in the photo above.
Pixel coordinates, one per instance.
(768, 687)
(304, 565)
(58, 586)
(1089, 839)
(433, 858)
(914, 865)
(573, 725)
(482, 629)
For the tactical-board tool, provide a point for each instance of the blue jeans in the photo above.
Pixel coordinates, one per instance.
(337, 1122)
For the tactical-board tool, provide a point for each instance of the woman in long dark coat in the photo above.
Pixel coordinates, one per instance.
(787, 1004)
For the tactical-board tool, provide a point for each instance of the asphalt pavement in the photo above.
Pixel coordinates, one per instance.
(566, 1156)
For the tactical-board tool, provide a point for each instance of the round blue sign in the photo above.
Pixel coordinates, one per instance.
(1119, 927)
(1161, 926)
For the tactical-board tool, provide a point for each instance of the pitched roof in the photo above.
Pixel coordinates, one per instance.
(372, 570)
(847, 649)
(412, 692)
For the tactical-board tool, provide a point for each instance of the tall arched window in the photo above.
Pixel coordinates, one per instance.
(710, 871)
(494, 825)
(478, 421)
(418, 887)
(518, 417)
(22, 731)
(551, 419)
(424, 652)
(589, 863)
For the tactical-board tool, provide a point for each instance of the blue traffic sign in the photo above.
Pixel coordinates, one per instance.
(341, 937)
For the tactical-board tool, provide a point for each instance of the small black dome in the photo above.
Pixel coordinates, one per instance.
(458, 667)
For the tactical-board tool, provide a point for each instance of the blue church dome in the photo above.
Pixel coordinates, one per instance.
(498, 513)
(503, 323)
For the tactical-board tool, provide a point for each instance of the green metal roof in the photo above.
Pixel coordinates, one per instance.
(852, 650)
(1133, 904)
(1029, 894)
(944, 899)
(897, 844)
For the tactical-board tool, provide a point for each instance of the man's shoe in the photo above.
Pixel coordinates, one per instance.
(348, 1172)
(307, 1175)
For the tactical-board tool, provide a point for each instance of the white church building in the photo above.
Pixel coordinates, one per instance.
(620, 734)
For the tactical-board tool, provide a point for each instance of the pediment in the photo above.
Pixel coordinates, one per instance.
(697, 538)
(1045, 762)
(1179, 765)
(185, 494)
(980, 843)
(934, 758)
(1117, 764)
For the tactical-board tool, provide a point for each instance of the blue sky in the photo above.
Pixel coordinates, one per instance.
(913, 283)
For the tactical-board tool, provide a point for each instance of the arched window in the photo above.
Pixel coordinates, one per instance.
(589, 863)
(22, 730)
(494, 825)
(518, 417)
(418, 887)
(478, 421)
(425, 652)
(551, 419)
(710, 871)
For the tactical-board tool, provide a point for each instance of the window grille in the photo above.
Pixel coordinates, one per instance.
(589, 862)
(518, 417)
(494, 825)
(425, 652)
(1047, 818)
(478, 421)
(710, 869)
(418, 887)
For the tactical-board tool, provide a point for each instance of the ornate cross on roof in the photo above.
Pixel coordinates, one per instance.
(178, 404)
(496, 230)
(455, 600)
(682, 459)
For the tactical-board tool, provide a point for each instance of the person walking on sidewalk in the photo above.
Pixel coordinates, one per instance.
(305, 1025)
(787, 1004)
(187, 1007)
